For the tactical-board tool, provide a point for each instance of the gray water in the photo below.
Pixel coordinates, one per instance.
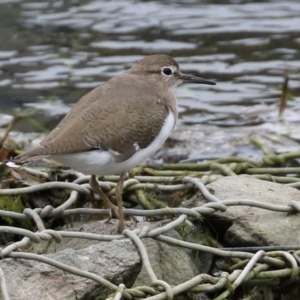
(53, 52)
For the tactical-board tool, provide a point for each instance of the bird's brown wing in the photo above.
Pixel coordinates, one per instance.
(121, 116)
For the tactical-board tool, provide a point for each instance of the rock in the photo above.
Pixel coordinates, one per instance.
(117, 261)
(198, 234)
(251, 226)
(173, 264)
(98, 227)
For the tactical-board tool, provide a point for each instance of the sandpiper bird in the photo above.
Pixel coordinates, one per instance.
(118, 125)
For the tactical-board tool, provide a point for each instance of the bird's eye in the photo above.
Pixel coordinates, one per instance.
(167, 71)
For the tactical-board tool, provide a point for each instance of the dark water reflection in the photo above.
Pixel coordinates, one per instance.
(53, 52)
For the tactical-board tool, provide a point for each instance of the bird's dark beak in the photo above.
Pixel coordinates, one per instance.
(195, 79)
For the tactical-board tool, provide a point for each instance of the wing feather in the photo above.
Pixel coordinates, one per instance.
(112, 117)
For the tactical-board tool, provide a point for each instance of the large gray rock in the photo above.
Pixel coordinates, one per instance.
(173, 264)
(253, 226)
(117, 261)
(98, 227)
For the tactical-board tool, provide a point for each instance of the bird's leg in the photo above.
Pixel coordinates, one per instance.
(97, 189)
(119, 192)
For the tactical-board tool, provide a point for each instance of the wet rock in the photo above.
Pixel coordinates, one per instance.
(117, 261)
(200, 142)
(251, 226)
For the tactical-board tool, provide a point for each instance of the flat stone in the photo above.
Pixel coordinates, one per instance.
(117, 261)
(172, 264)
(251, 226)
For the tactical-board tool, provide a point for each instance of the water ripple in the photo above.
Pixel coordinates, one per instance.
(54, 50)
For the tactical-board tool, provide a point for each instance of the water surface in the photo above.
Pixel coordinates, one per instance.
(53, 52)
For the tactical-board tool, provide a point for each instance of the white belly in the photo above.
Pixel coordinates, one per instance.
(99, 162)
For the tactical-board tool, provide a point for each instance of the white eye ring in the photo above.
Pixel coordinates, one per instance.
(167, 71)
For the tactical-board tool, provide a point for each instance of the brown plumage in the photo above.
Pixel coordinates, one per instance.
(119, 124)
(89, 125)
